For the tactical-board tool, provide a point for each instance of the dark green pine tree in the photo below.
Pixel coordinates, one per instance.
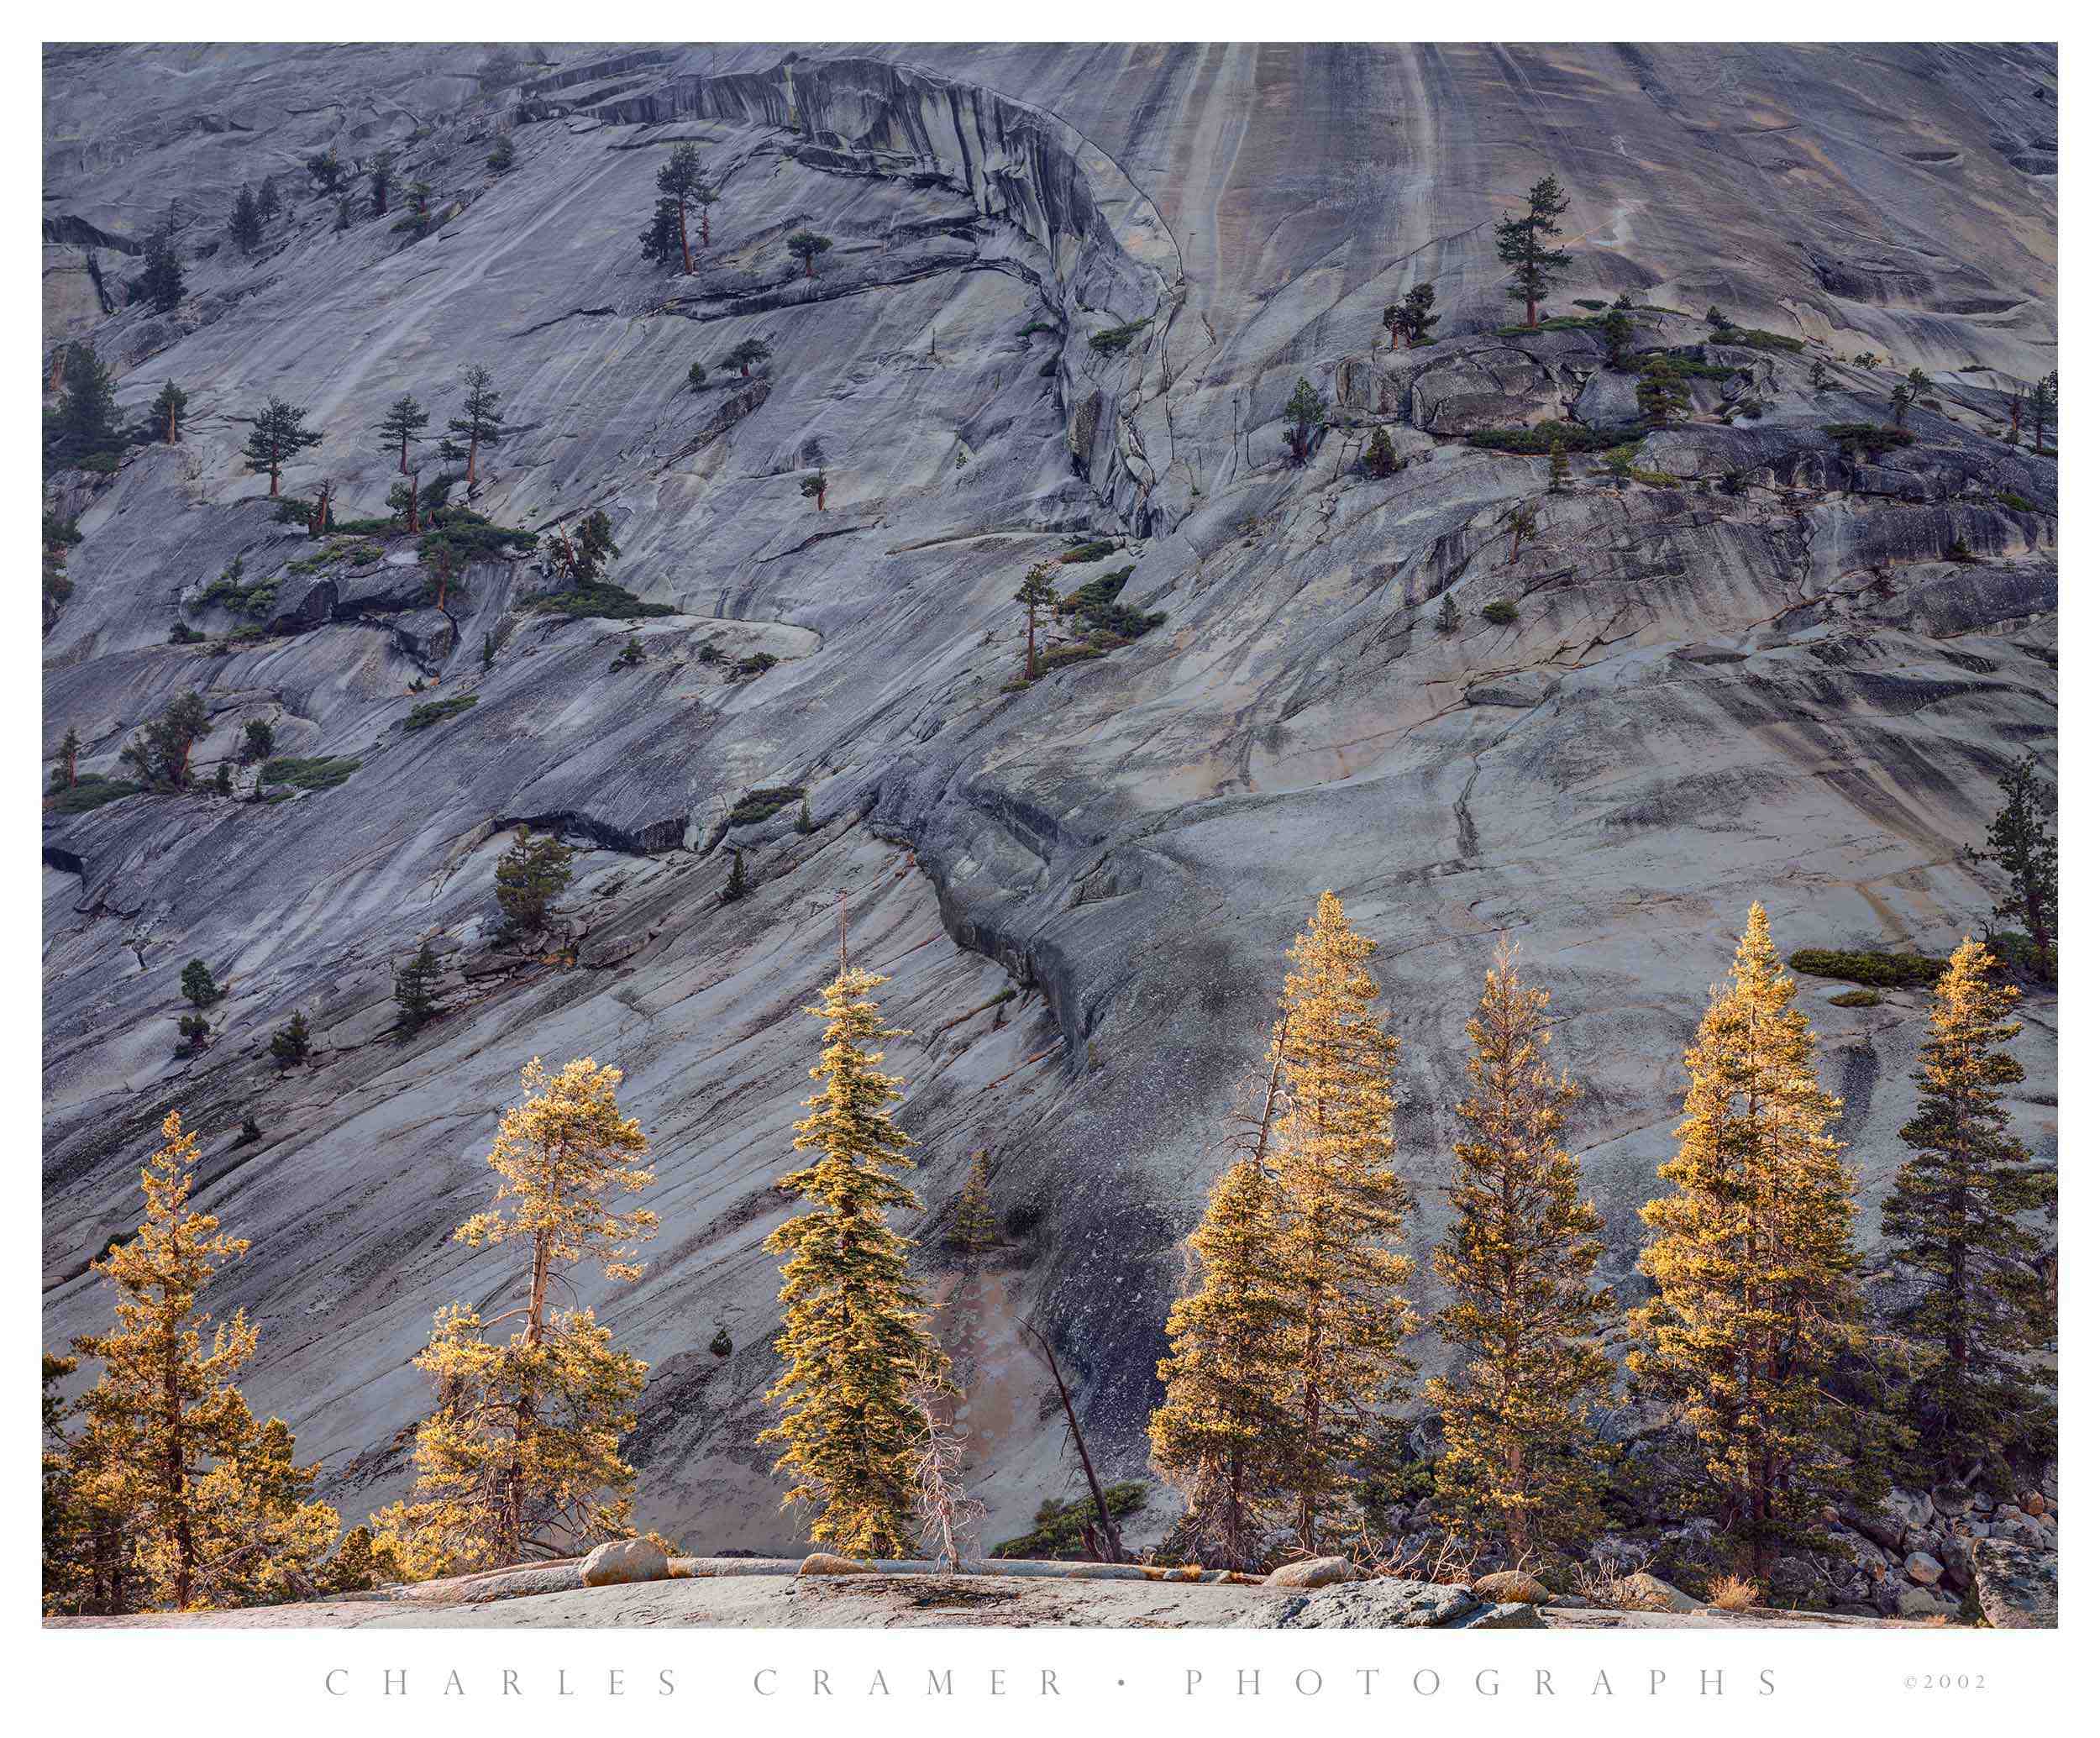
(1522, 242)
(1420, 301)
(479, 423)
(659, 240)
(1305, 413)
(169, 408)
(267, 203)
(2044, 406)
(278, 436)
(806, 245)
(677, 183)
(161, 285)
(1979, 1312)
(2021, 848)
(1379, 459)
(246, 224)
(1618, 335)
(738, 884)
(382, 173)
(749, 351)
(1661, 394)
(85, 424)
(416, 991)
(403, 422)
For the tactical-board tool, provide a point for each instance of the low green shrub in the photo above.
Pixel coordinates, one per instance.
(1116, 340)
(601, 601)
(1857, 999)
(1872, 438)
(317, 772)
(1060, 1528)
(1058, 656)
(1539, 440)
(763, 803)
(1501, 613)
(92, 791)
(2018, 953)
(1884, 971)
(436, 711)
(1080, 554)
(2017, 503)
(1095, 604)
(1754, 338)
(1693, 367)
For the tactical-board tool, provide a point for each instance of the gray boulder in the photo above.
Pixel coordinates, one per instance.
(2015, 1586)
(1382, 1604)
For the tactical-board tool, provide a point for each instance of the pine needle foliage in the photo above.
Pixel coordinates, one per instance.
(195, 1503)
(521, 1456)
(1523, 1317)
(1223, 1435)
(1978, 1311)
(1343, 1212)
(2021, 849)
(529, 878)
(1752, 1257)
(853, 1338)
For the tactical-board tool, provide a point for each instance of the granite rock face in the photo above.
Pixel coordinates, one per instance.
(1765, 670)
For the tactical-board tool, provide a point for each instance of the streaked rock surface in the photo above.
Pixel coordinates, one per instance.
(1763, 681)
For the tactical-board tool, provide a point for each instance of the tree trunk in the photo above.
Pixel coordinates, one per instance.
(273, 482)
(172, 1472)
(1031, 643)
(684, 247)
(1111, 1538)
(170, 425)
(414, 495)
(474, 451)
(820, 498)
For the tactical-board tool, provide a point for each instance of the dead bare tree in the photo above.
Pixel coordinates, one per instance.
(949, 1516)
(1105, 1542)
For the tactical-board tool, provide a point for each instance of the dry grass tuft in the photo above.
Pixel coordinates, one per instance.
(1731, 1592)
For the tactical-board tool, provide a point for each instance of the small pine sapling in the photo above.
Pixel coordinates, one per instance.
(290, 1045)
(807, 245)
(197, 984)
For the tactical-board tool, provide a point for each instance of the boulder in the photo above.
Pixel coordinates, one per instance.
(2015, 1586)
(1463, 391)
(619, 1561)
(1513, 1614)
(1317, 1572)
(1643, 1592)
(1506, 1586)
(1923, 1569)
(2035, 1503)
(1382, 1604)
(822, 1562)
(1924, 1602)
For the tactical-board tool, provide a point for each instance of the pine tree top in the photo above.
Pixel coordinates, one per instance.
(560, 1150)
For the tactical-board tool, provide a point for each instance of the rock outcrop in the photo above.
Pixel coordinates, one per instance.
(1071, 292)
